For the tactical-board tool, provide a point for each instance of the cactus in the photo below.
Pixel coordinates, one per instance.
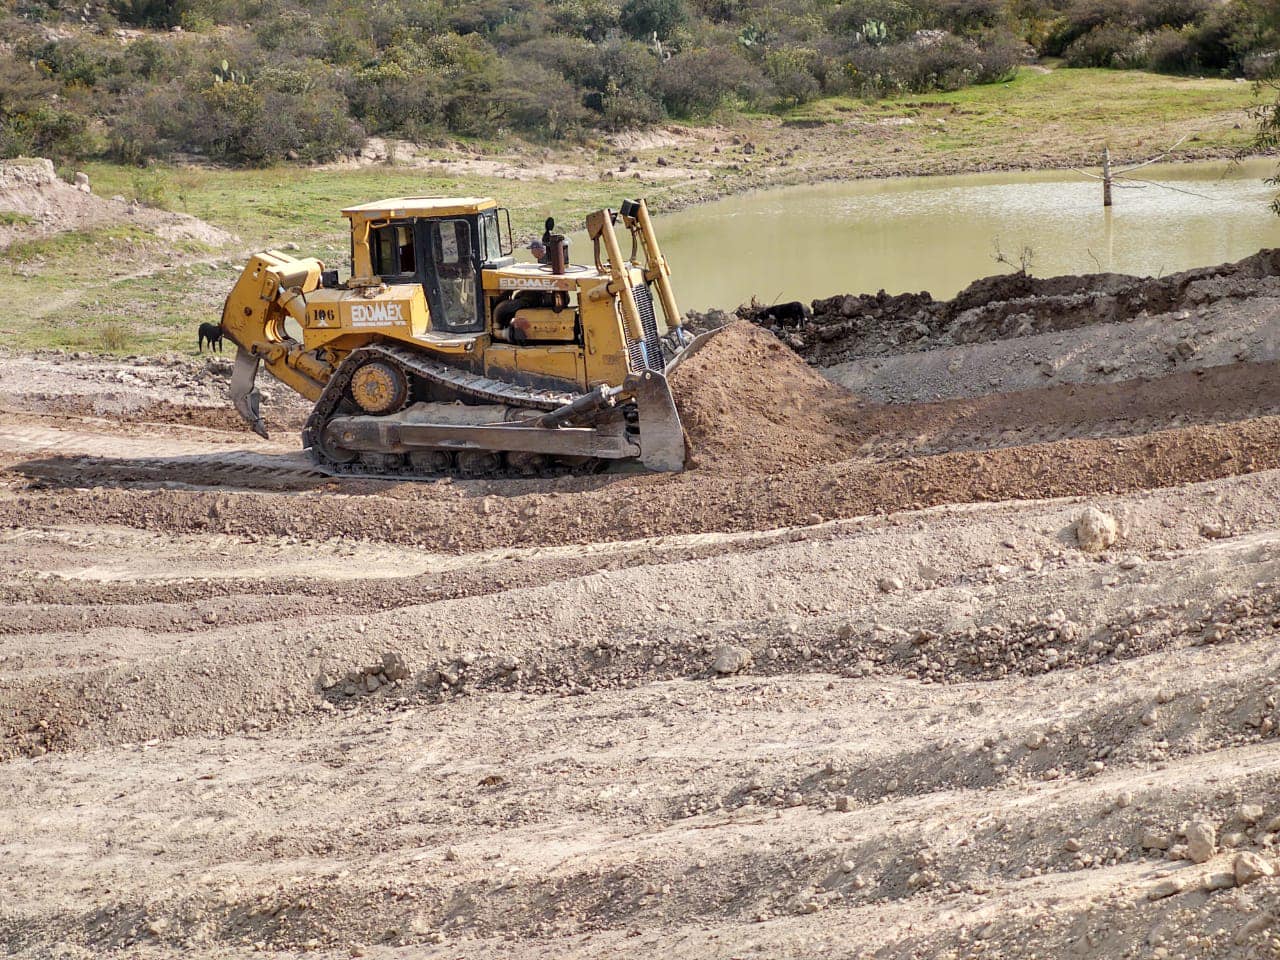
(224, 74)
(873, 32)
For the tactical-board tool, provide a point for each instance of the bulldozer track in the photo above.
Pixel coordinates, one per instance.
(75, 457)
(473, 387)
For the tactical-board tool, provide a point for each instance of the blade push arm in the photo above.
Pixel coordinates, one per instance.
(271, 289)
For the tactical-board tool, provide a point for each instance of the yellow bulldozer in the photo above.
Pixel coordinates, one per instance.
(441, 354)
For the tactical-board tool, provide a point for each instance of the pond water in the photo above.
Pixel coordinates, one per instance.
(939, 233)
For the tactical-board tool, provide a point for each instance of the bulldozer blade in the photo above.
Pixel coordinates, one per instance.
(244, 395)
(662, 445)
(696, 344)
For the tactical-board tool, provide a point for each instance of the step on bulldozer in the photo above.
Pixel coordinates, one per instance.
(441, 354)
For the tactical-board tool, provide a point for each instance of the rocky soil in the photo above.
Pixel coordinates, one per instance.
(970, 660)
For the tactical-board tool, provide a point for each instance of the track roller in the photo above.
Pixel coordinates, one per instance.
(527, 464)
(478, 463)
(431, 461)
(382, 462)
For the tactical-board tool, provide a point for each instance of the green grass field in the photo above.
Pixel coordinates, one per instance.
(120, 290)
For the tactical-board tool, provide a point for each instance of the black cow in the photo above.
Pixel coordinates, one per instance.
(212, 332)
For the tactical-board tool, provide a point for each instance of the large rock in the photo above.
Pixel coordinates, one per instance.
(27, 172)
(1096, 530)
(1202, 841)
(1250, 867)
(730, 659)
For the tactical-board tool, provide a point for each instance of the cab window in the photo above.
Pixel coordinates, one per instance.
(490, 239)
(393, 251)
(455, 304)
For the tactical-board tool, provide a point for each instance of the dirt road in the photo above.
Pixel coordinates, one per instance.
(856, 685)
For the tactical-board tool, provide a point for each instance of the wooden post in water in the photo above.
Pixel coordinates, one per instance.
(1106, 176)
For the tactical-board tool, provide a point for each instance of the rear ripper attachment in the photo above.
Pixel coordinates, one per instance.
(442, 354)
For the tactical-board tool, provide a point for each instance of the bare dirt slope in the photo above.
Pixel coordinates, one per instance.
(859, 684)
(40, 204)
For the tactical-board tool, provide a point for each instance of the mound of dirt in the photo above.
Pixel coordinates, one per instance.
(851, 326)
(44, 205)
(750, 405)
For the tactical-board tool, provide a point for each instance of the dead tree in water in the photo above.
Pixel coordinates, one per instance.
(1106, 176)
(1110, 177)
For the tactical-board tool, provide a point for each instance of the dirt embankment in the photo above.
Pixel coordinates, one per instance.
(772, 443)
(847, 327)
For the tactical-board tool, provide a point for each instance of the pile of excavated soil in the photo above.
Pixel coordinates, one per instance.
(750, 405)
(45, 205)
(1219, 336)
(848, 326)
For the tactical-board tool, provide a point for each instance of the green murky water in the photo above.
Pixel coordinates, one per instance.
(939, 233)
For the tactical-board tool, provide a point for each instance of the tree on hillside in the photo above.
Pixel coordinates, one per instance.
(1267, 139)
(643, 18)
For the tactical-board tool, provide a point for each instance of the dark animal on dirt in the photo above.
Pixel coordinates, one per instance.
(212, 332)
(786, 314)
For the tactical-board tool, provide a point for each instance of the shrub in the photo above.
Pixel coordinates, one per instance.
(1082, 17)
(790, 71)
(149, 13)
(1260, 66)
(900, 18)
(1155, 14)
(945, 63)
(115, 336)
(1170, 51)
(151, 187)
(47, 131)
(1211, 40)
(1267, 138)
(999, 58)
(592, 19)
(388, 97)
(540, 102)
(291, 30)
(970, 16)
(1109, 45)
(697, 82)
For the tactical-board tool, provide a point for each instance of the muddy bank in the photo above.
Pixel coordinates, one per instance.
(851, 326)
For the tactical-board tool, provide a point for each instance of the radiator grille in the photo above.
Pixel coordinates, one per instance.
(645, 354)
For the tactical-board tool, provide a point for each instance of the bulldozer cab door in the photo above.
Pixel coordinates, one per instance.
(450, 268)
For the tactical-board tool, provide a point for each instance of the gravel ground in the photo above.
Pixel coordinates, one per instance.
(991, 675)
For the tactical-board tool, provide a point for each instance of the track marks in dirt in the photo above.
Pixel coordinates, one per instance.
(118, 660)
(717, 825)
(460, 517)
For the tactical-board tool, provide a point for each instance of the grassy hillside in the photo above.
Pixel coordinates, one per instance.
(259, 81)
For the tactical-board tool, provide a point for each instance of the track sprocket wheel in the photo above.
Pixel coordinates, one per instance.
(379, 387)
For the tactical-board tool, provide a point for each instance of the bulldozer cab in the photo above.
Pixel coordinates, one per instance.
(442, 244)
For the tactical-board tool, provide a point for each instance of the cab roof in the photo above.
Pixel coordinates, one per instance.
(398, 207)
